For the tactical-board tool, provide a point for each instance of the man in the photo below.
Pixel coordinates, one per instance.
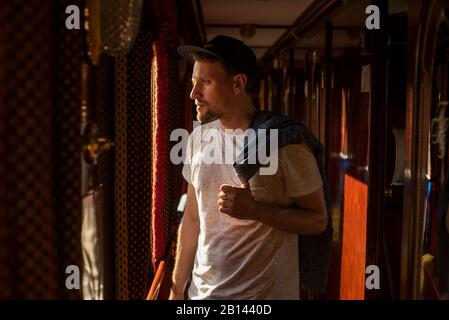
(240, 242)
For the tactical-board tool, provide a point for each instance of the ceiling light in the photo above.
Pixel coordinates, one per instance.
(247, 31)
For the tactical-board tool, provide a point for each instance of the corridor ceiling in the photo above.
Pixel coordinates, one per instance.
(270, 17)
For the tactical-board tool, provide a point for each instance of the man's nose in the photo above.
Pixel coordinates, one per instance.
(195, 93)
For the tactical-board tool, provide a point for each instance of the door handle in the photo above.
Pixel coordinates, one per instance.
(94, 144)
(99, 146)
(388, 192)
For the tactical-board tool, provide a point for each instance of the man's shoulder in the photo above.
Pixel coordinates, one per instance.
(295, 149)
(271, 115)
(274, 120)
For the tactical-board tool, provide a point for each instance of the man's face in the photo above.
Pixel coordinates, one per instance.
(212, 90)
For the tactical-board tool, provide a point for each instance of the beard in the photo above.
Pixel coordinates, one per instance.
(207, 115)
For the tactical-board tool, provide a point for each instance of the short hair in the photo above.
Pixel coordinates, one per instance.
(229, 68)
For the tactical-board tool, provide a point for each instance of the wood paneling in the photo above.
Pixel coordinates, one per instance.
(354, 240)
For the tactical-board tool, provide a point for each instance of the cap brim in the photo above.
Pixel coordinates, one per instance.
(187, 52)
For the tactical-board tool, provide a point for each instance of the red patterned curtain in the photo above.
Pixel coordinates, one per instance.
(167, 115)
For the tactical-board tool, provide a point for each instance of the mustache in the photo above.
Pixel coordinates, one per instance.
(197, 102)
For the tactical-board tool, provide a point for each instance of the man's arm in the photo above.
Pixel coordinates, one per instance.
(308, 217)
(186, 247)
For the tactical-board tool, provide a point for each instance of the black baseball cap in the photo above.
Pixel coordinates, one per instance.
(227, 49)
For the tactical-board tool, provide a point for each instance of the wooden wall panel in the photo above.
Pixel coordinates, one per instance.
(354, 240)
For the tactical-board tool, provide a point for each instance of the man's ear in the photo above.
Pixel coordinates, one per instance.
(240, 83)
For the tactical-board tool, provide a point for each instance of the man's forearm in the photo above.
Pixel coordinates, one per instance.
(293, 220)
(185, 255)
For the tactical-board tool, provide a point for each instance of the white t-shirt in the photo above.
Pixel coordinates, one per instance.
(244, 259)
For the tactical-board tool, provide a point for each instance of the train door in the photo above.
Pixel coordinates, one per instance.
(365, 124)
(96, 178)
(391, 222)
(427, 158)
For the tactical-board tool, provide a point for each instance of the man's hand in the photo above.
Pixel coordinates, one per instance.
(308, 215)
(237, 202)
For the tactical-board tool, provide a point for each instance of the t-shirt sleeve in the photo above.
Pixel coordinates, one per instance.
(300, 170)
(187, 162)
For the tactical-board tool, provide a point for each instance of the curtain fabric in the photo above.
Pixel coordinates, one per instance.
(133, 145)
(40, 202)
(167, 115)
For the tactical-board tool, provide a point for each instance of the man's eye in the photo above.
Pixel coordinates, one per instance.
(206, 82)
